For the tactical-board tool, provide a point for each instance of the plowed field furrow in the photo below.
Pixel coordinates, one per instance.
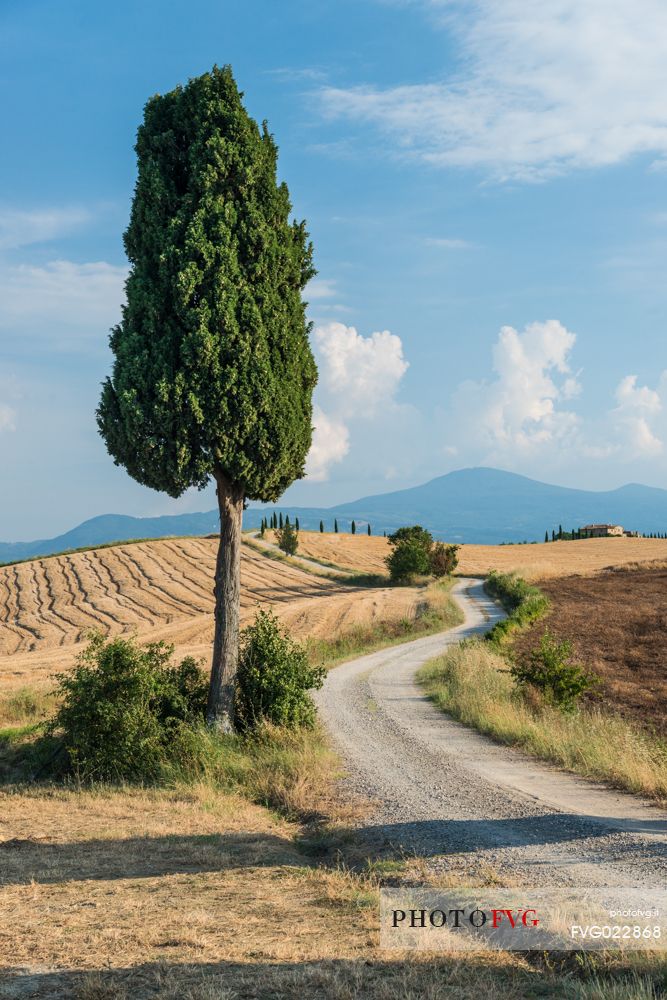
(135, 587)
(126, 596)
(185, 585)
(98, 597)
(78, 604)
(140, 563)
(23, 609)
(202, 575)
(46, 602)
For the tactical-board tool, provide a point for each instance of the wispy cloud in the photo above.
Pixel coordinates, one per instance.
(62, 300)
(23, 228)
(539, 88)
(447, 243)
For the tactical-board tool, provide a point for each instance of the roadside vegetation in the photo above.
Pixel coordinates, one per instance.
(414, 553)
(152, 869)
(534, 700)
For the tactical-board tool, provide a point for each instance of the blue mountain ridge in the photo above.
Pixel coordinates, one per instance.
(470, 505)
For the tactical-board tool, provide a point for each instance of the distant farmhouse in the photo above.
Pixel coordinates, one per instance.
(607, 531)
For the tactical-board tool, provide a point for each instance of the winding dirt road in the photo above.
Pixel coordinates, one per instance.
(446, 793)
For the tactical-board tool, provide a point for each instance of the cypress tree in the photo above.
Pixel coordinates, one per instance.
(553, 535)
(336, 526)
(354, 528)
(546, 536)
(296, 524)
(286, 518)
(369, 529)
(321, 527)
(280, 521)
(213, 373)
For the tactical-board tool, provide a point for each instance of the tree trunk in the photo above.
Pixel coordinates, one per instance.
(220, 709)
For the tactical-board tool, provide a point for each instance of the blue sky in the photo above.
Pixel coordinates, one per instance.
(485, 183)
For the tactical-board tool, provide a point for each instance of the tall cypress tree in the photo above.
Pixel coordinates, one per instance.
(321, 527)
(336, 526)
(369, 529)
(213, 373)
(354, 528)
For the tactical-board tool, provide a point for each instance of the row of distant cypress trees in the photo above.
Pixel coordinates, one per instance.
(277, 522)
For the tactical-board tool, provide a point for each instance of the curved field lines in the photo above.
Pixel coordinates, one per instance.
(161, 590)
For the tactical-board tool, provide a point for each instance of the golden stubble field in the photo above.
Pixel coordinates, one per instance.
(163, 590)
(534, 562)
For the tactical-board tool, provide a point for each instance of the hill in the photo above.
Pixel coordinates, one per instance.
(471, 505)
(163, 590)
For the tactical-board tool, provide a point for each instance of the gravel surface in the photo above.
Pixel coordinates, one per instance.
(446, 793)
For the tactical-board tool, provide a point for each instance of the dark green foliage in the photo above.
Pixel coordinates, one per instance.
(416, 533)
(296, 523)
(262, 529)
(443, 559)
(280, 522)
(524, 602)
(213, 367)
(274, 677)
(287, 519)
(550, 670)
(354, 527)
(336, 526)
(287, 539)
(369, 530)
(122, 705)
(407, 559)
(321, 527)
(546, 536)
(212, 356)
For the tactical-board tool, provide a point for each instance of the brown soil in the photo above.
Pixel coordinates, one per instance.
(163, 590)
(617, 623)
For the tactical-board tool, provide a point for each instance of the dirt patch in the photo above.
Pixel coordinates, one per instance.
(617, 622)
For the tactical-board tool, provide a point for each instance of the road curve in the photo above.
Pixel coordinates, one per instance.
(444, 792)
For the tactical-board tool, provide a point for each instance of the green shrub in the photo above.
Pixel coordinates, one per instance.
(274, 677)
(288, 539)
(409, 558)
(444, 559)
(550, 670)
(414, 533)
(524, 603)
(121, 706)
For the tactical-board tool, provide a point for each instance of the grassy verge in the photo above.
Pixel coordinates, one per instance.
(523, 602)
(472, 683)
(436, 613)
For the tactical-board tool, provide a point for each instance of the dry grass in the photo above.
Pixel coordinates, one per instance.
(617, 623)
(554, 559)
(117, 894)
(473, 683)
(533, 562)
(163, 590)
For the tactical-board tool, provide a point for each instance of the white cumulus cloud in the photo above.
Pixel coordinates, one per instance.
(633, 419)
(520, 411)
(331, 443)
(539, 89)
(358, 380)
(359, 373)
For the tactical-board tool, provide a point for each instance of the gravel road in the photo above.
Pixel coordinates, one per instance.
(446, 793)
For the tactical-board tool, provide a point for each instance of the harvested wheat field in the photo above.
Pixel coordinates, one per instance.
(552, 559)
(534, 562)
(163, 590)
(617, 623)
(357, 553)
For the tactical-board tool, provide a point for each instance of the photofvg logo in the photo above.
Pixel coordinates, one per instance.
(523, 919)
